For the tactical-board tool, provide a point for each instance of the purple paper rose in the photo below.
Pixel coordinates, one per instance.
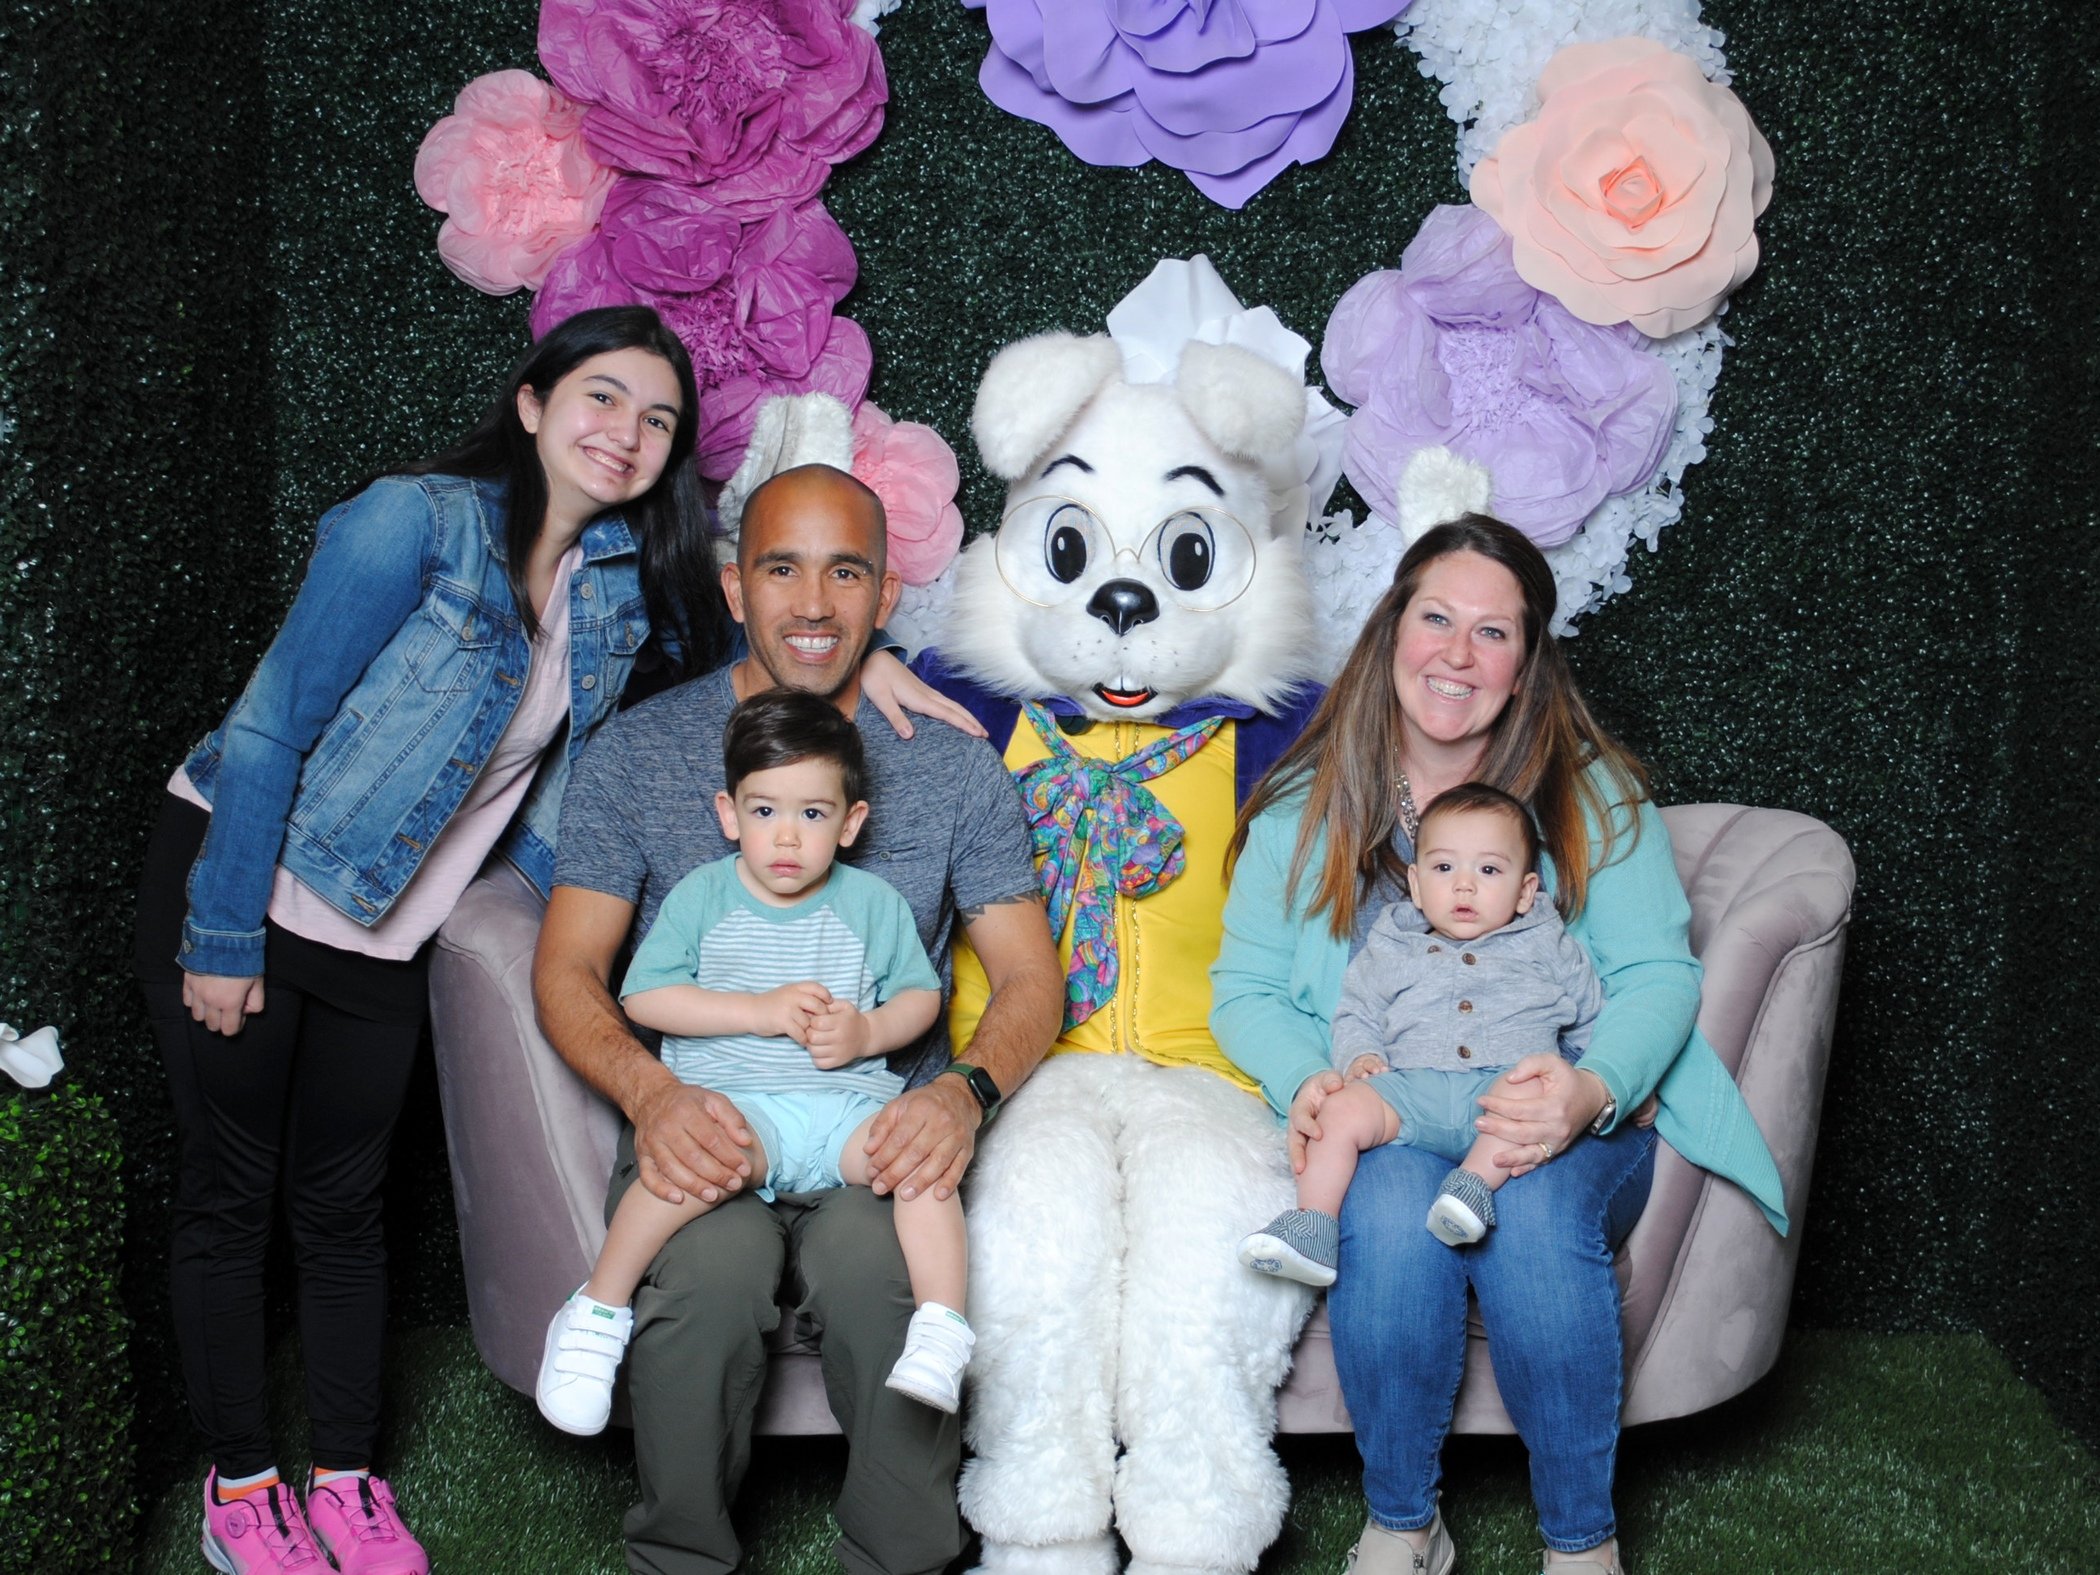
(1455, 350)
(1230, 92)
(757, 98)
(751, 299)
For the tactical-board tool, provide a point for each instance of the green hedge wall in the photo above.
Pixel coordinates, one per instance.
(222, 304)
(65, 1395)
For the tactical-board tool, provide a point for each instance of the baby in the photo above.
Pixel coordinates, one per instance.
(778, 979)
(1429, 1020)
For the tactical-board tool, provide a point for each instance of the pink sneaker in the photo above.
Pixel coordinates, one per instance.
(357, 1523)
(261, 1534)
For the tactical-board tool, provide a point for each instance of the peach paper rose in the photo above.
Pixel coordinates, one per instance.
(912, 469)
(509, 169)
(1632, 197)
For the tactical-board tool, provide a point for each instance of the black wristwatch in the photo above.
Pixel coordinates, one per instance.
(980, 1083)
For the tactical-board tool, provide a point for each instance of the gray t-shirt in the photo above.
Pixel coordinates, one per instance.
(945, 825)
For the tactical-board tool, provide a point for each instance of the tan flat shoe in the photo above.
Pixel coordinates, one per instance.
(1382, 1552)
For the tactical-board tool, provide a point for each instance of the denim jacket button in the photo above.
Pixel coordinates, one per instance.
(189, 946)
(587, 592)
(590, 680)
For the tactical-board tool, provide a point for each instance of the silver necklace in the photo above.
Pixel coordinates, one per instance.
(1410, 817)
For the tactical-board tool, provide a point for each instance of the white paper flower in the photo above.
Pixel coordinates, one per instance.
(33, 1059)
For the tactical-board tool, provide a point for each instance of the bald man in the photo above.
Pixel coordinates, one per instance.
(810, 585)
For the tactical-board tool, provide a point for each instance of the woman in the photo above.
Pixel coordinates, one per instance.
(463, 626)
(1456, 677)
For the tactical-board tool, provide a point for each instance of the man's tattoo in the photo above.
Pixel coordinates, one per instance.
(972, 914)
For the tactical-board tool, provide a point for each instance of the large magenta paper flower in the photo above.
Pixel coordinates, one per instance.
(1633, 196)
(912, 469)
(752, 300)
(758, 98)
(509, 170)
(1230, 92)
(1454, 350)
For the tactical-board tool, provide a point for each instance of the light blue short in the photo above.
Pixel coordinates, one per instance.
(1437, 1109)
(803, 1135)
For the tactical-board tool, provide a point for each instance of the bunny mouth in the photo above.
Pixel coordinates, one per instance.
(1126, 699)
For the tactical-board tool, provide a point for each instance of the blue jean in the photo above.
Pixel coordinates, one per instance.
(1548, 1300)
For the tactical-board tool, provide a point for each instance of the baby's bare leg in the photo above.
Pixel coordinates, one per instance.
(930, 1231)
(640, 1226)
(1354, 1118)
(1480, 1158)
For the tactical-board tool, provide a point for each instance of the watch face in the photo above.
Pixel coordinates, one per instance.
(982, 1086)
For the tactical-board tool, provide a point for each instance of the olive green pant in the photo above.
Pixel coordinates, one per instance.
(698, 1361)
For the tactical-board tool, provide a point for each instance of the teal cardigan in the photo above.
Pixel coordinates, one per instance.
(1276, 983)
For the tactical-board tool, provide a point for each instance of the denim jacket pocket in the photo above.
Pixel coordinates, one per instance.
(620, 637)
(457, 642)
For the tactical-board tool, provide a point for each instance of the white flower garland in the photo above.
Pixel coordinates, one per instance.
(1488, 54)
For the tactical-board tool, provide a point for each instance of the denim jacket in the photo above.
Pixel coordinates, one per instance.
(398, 668)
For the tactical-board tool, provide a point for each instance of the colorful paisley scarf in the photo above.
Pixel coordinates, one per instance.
(1100, 831)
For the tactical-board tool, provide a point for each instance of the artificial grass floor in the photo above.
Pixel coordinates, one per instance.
(1860, 1453)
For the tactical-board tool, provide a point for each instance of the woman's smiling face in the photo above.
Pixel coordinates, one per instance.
(1459, 653)
(603, 432)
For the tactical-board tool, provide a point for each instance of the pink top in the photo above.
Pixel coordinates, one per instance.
(460, 850)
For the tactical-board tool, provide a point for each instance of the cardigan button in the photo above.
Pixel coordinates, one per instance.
(1465, 1006)
(1466, 958)
(1434, 950)
(1465, 1053)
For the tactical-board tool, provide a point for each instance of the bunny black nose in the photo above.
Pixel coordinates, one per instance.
(1123, 605)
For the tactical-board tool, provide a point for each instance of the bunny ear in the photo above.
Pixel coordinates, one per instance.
(791, 430)
(1031, 392)
(1246, 404)
(1436, 486)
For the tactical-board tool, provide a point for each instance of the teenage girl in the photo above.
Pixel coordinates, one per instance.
(464, 624)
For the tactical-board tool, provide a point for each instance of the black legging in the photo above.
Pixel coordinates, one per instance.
(307, 1092)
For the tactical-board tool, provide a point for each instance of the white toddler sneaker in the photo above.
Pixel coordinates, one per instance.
(584, 1345)
(937, 1348)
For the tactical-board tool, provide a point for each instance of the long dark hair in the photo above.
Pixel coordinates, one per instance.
(680, 582)
(1539, 751)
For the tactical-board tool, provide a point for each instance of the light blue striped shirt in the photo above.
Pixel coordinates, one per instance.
(855, 936)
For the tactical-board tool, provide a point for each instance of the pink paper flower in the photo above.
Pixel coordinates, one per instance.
(752, 300)
(758, 97)
(1632, 197)
(913, 470)
(509, 170)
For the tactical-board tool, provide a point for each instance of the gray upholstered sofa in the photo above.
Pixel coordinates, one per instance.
(1706, 1281)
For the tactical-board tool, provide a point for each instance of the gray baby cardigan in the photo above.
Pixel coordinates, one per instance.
(1419, 1001)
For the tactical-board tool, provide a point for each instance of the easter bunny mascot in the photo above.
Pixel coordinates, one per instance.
(1137, 637)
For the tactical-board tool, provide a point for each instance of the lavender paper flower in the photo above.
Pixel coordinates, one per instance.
(752, 300)
(758, 98)
(1230, 92)
(1455, 350)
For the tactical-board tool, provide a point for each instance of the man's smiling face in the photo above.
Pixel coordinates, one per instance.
(810, 583)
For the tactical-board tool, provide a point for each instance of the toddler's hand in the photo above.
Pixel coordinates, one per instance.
(1364, 1066)
(839, 1034)
(788, 1011)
